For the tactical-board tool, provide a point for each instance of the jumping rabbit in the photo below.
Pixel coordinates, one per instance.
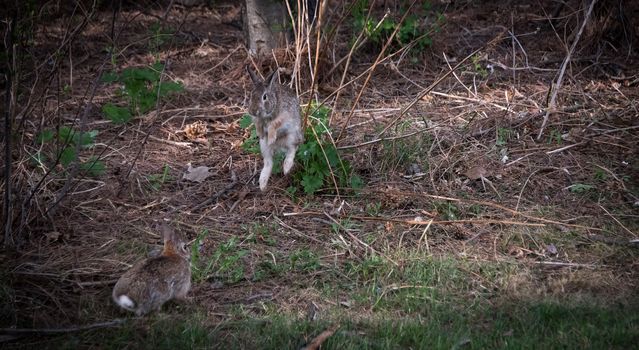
(275, 111)
(156, 280)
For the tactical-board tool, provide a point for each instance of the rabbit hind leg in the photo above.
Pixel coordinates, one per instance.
(267, 154)
(290, 158)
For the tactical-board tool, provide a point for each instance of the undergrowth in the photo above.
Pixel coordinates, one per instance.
(140, 88)
(413, 30)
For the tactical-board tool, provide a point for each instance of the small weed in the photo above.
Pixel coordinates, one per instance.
(141, 88)
(344, 224)
(478, 67)
(261, 232)
(65, 141)
(366, 270)
(601, 175)
(267, 269)
(225, 262)
(304, 260)
(476, 210)
(373, 209)
(580, 188)
(157, 180)
(555, 137)
(159, 35)
(447, 209)
(412, 31)
(503, 136)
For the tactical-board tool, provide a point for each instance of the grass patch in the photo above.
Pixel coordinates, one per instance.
(423, 302)
(540, 325)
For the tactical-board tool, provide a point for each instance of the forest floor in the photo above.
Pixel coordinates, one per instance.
(468, 231)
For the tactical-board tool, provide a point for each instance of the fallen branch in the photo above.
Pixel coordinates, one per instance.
(556, 86)
(317, 342)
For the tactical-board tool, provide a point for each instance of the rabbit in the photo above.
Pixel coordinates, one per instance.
(275, 111)
(156, 280)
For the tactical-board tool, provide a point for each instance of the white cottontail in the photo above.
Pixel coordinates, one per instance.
(275, 111)
(156, 280)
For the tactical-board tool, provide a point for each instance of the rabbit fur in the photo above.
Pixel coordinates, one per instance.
(275, 111)
(153, 281)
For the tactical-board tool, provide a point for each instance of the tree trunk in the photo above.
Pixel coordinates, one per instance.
(265, 23)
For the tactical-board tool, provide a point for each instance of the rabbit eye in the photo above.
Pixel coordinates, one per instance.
(264, 97)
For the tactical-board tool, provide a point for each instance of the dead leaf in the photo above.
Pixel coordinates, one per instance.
(198, 174)
(53, 235)
(195, 131)
(476, 173)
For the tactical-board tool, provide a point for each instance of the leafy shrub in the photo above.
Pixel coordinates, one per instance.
(318, 159)
(141, 87)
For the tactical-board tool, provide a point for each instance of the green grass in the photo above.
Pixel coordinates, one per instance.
(423, 302)
(523, 325)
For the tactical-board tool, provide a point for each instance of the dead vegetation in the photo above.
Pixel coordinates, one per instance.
(465, 168)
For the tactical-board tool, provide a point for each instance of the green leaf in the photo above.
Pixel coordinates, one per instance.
(118, 115)
(141, 74)
(580, 188)
(109, 77)
(157, 66)
(67, 156)
(246, 121)
(311, 183)
(94, 167)
(146, 102)
(356, 182)
(65, 135)
(45, 136)
(169, 87)
(85, 139)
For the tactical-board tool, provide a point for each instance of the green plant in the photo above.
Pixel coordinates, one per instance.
(580, 188)
(157, 180)
(373, 209)
(260, 232)
(503, 136)
(304, 260)
(141, 88)
(412, 30)
(67, 142)
(600, 175)
(225, 262)
(555, 136)
(479, 68)
(447, 209)
(159, 36)
(319, 159)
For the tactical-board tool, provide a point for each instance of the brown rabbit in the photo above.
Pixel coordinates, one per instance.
(275, 111)
(156, 280)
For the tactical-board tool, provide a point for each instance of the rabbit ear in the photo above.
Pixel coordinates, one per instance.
(254, 77)
(270, 80)
(167, 232)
